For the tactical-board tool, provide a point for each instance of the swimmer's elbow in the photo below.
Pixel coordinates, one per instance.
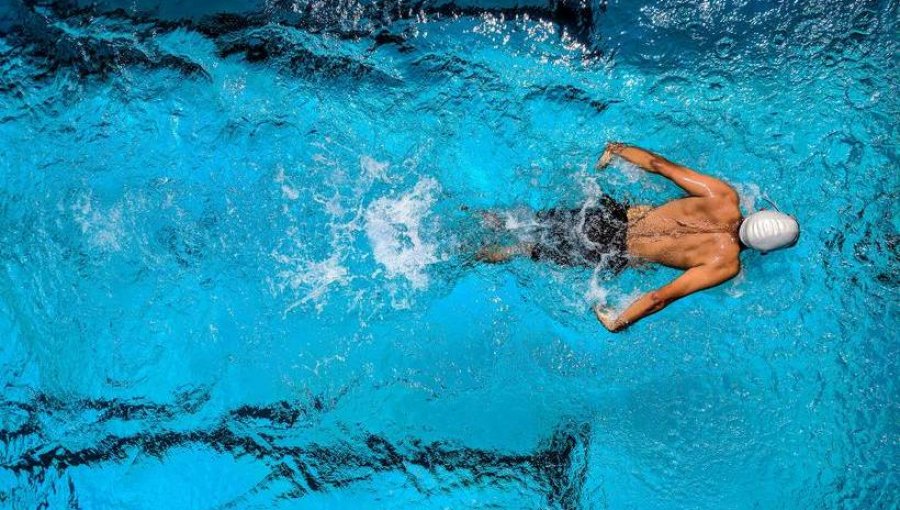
(728, 193)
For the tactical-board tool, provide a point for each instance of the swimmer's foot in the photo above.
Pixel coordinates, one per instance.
(496, 254)
(492, 220)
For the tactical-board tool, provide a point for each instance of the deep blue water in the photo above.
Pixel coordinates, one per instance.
(235, 256)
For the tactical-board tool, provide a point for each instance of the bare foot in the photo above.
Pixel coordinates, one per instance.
(493, 254)
(492, 220)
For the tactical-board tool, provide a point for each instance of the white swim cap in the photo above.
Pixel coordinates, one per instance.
(769, 230)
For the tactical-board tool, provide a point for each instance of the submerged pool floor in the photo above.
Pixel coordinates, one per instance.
(236, 256)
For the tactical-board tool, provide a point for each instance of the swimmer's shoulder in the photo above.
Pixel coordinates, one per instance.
(727, 258)
(724, 208)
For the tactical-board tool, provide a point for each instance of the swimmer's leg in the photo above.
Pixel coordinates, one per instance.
(496, 254)
(492, 220)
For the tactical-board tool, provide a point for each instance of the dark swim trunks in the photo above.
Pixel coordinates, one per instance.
(584, 237)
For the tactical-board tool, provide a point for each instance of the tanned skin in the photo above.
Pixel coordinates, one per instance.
(698, 233)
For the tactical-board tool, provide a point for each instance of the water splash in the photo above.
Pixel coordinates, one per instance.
(396, 229)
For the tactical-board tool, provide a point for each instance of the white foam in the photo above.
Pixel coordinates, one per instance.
(748, 194)
(103, 228)
(373, 168)
(736, 289)
(288, 190)
(311, 277)
(632, 172)
(596, 294)
(518, 219)
(589, 185)
(607, 297)
(624, 301)
(394, 229)
(307, 276)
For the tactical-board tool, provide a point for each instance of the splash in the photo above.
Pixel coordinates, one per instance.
(102, 228)
(736, 287)
(519, 220)
(308, 275)
(374, 169)
(596, 293)
(394, 229)
(748, 194)
(288, 188)
(312, 277)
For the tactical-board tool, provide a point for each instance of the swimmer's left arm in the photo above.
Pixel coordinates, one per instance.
(692, 280)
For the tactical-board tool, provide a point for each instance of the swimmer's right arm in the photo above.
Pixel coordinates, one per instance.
(695, 183)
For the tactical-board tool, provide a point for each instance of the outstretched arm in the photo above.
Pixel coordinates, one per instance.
(695, 183)
(692, 280)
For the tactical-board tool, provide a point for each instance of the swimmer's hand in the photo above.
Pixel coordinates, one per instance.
(606, 157)
(607, 318)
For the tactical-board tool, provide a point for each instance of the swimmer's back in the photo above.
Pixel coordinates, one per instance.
(686, 233)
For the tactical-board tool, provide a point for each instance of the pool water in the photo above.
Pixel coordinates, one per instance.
(236, 247)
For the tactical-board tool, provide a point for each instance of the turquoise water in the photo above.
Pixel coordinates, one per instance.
(236, 262)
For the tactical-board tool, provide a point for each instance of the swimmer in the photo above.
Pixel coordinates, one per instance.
(703, 234)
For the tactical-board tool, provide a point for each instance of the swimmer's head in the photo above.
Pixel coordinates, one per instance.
(769, 230)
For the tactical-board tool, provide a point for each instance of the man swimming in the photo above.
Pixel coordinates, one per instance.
(703, 234)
